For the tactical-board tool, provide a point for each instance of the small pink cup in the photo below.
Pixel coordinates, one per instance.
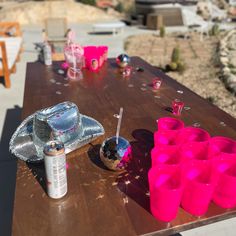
(199, 187)
(166, 189)
(127, 71)
(168, 155)
(225, 191)
(169, 123)
(192, 134)
(222, 146)
(156, 83)
(177, 107)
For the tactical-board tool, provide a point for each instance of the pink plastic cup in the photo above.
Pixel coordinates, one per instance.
(93, 63)
(169, 123)
(192, 134)
(156, 83)
(104, 51)
(199, 187)
(194, 151)
(89, 53)
(127, 71)
(177, 107)
(166, 189)
(166, 138)
(168, 155)
(225, 191)
(222, 146)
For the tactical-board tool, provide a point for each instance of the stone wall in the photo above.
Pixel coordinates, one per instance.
(227, 56)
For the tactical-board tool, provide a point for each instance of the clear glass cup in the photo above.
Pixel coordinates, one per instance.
(74, 56)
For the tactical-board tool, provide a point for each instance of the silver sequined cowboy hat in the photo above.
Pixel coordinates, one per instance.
(61, 122)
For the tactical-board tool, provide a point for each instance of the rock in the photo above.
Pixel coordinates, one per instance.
(223, 44)
(224, 60)
(223, 54)
(232, 87)
(231, 79)
(226, 70)
(233, 70)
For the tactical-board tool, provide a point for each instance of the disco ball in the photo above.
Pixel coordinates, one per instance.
(123, 60)
(115, 155)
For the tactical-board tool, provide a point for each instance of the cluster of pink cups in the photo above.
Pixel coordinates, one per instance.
(189, 168)
(95, 56)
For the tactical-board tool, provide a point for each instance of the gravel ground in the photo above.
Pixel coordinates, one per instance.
(200, 58)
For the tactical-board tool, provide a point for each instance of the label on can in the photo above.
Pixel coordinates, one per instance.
(55, 166)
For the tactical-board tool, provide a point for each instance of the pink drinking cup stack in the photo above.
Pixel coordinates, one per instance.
(166, 155)
(222, 146)
(222, 150)
(166, 189)
(199, 187)
(169, 123)
(225, 191)
(194, 152)
(192, 134)
(168, 129)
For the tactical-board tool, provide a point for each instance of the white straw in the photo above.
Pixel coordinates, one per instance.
(119, 124)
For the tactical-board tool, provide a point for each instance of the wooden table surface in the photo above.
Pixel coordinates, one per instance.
(99, 201)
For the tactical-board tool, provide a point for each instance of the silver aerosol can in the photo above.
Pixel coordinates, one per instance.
(47, 53)
(55, 166)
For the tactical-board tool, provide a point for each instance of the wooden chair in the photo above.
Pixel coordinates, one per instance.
(56, 29)
(55, 32)
(10, 29)
(10, 48)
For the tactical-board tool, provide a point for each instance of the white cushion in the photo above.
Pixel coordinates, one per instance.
(13, 46)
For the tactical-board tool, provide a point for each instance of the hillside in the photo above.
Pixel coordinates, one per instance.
(34, 12)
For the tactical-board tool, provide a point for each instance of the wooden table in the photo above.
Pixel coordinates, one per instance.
(99, 201)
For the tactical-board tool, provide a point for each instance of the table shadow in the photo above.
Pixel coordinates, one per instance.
(38, 171)
(12, 121)
(134, 183)
(94, 156)
(101, 33)
(8, 168)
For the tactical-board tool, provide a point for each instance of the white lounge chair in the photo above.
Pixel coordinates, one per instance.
(115, 27)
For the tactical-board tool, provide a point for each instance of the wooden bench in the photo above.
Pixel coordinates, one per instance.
(10, 48)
